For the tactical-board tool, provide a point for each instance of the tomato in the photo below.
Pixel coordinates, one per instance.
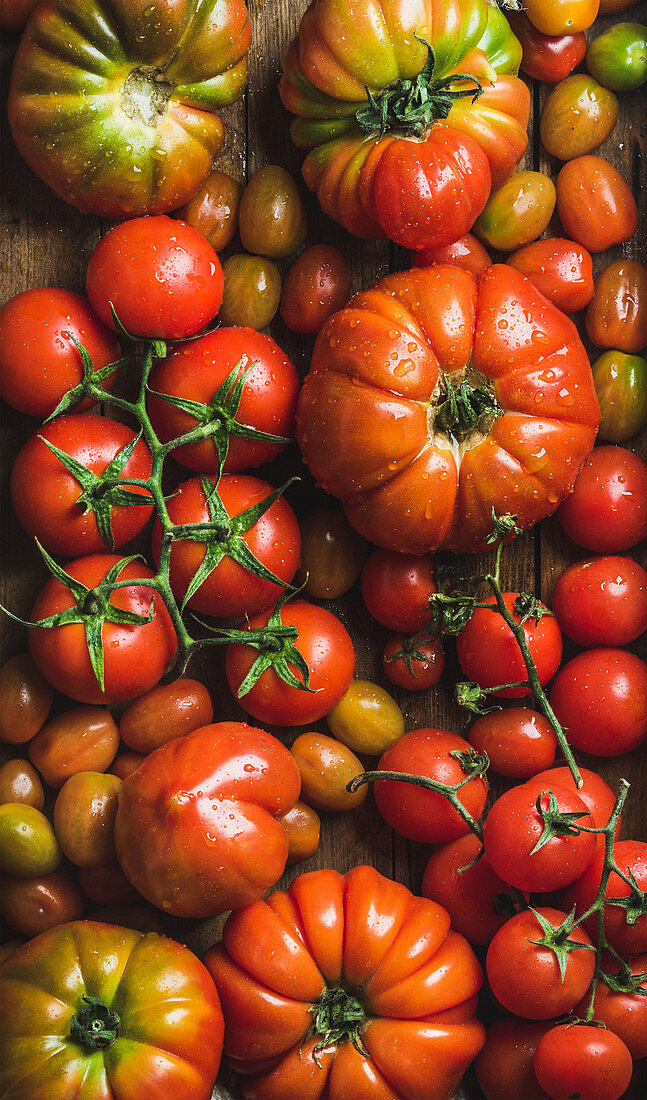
(161, 277)
(546, 57)
(332, 554)
(623, 1012)
(141, 918)
(84, 739)
(602, 601)
(325, 646)
(490, 655)
(577, 117)
(608, 7)
(366, 718)
(378, 428)
(607, 510)
(616, 316)
(196, 373)
(600, 696)
(213, 210)
(562, 18)
(560, 269)
(126, 763)
(595, 204)
(519, 742)
(477, 900)
(302, 825)
(413, 661)
(525, 976)
(164, 713)
(9, 946)
(396, 589)
(583, 1060)
(25, 699)
(419, 814)
(39, 361)
(401, 983)
(76, 506)
(316, 286)
(135, 656)
(251, 293)
(106, 884)
(14, 15)
(625, 928)
(28, 846)
(621, 385)
(617, 58)
(137, 1014)
(129, 123)
(84, 817)
(518, 212)
(326, 766)
(467, 252)
(33, 905)
(504, 1067)
(272, 218)
(596, 795)
(19, 782)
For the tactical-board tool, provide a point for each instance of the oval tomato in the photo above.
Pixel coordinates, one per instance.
(560, 269)
(272, 218)
(25, 699)
(602, 601)
(519, 742)
(600, 697)
(366, 718)
(467, 252)
(127, 763)
(577, 117)
(28, 846)
(332, 554)
(595, 204)
(302, 827)
(413, 661)
(84, 818)
(19, 782)
(617, 58)
(583, 1060)
(504, 1068)
(396, 589)
(607, 510)
(417, 1028)
(33, 905)
(164, 713)
(252, 291)
(621, 385)
(490, 655)
(213, 210)
(625, 928)
(316, 286)
(546, 57)
(616, 316)
(518, 212)
(326, 766)
(84, 739)
(566, 17)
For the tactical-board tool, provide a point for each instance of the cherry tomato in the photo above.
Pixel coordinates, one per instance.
(468, 253)
(39, 361)
(616, 316)
(607, 510)
(84, 818)
(271, 217)
(504, 1068)
(489, 653)
(326, 766)
(251, 292)
(80, 740)
(396, 589)
(561, 270)
(596, 795)
(213, 210)
(332, 554)
(546, 57)
(518, 212)
(566, 17)
(28, 845)
(366, 719)
(600, 696)
(626, 931)
(519, 742)
(32, 905)
(316, 286)
(595, 204)
(582, 1060)
(19, 782)
(602, 601)
(413, 661)
(419, 814)
(107, 884)
(127, 763)
(617, 58)
(623, 1012)
(577, 117)
(525, 976)
(161, 276)
(610, 7)
(303, 826)
(164, 713)
(25, 699)
(621, 385)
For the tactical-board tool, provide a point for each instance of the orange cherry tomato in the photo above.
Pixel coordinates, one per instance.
(19, 782)
(561, 16)
(271, 217)
(518, 212)
(213, 211)
(332, 554)
(251, 292)
(577, 117)
(165, 712)
(303, 826)
(326, 766)
(468, 253)
(32, 905)
(25, 699)
(595, 204)
(84, 818)
(561, 270)
(316, 286)
(127, 763)
(84, 739)
(616, 316)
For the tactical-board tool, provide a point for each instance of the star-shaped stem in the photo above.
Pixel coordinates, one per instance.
(557, 938)
(556, 822)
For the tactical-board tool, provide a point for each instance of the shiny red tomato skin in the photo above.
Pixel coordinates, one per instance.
(607, 510)
(595, 793)
(396, 589)
(561, 270)
(631, 856)
(546, 57)
(164, 713)
(601, 697)
(602, 601)
(427, 668)
(616, 316)
(316, 286)
(490, 655)
(623, 1013)
(34, 905)
(135, 656)
(504, 1067)
(38, 360)
(519, 742)
(467, 252)
(583, 1060)
(595, 204)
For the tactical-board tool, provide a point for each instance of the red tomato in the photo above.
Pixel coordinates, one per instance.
(39, 361)
(79, 513)
(617, 314)
(467, 252)
(327, 649)
(232, 589)
(413, 661)
(396, 589)
(602, 601)
(302, 826)
(136, 656)
(489, 653)
(626, 930)
(560, 269)
(504, 1067)
(33, 905)
(596, 795)
(160, 275)
(419, 814)
(79, 740)
(546, 57)
(316, 286)
(213, 210)
(198, 370)
(519, 742)
(164, 713)
(600, 697)
(607, 510)
(525, 976)
(624, 1013)
(595, 204)
(126, 763)
(565, 17)
(583, 1060)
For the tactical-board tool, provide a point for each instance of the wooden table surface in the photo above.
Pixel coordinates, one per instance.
(45, 242)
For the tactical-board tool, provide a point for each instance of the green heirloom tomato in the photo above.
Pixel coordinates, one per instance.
(617, 58)
(518, 212)
(621, 385)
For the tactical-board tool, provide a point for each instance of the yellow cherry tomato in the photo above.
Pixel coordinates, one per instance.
(366, 719)
(518, 212)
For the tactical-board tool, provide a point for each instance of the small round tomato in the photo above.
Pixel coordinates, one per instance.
(607, 510)
(413, 661)
(616, 316)
(595, 204)
(424, 815)
(622, 1011)
(519, 742)
(107, 884)
(165, 712)
(326, 766)
(271, 217)
(28, 845)
(303, 827)
(213, 210)
(396, 589)
(19, 782)
(582, 1060)
(251, 292)
(468, 253)
(596, 795)
(602, 601)
(80, 740)
(626, 931)
(39, 361)
(566, 17)
(600, 697)
(316, 286)
(518, 212)
(84, 818)
(525, 975)
(546, 57)
(617, 58)
(621, 385)
(504, 1068)
(489, 653)
(577, 117)
(25, 699)
(127, 763)
(332, 554)
(32, 905)
(366, 719)
(561, 270)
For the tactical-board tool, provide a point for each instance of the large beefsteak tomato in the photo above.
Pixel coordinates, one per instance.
(114, 103)
(434, 398)
(347, 985)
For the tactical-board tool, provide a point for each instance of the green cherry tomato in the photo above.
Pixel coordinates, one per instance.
(518, 212)
(271, 216)
(621, 385)
(617, 58)
(251, 292)
(578, 116)
(28, 844)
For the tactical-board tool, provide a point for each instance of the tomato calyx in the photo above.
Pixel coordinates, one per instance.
(466, 409)
(556, 939)
(410, 651)
(556, 822)
(95, 1026)
(338, 1016)
(90, 384)
(635, 902)
(624, 981)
